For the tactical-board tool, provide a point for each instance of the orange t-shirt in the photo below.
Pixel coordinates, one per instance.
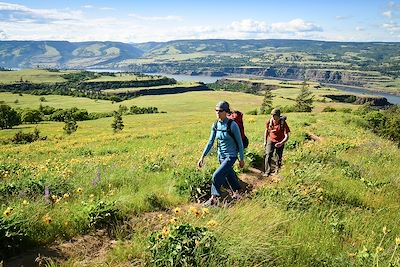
(276, 132)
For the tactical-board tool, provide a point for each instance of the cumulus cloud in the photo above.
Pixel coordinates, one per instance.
(248, 25)
(296, 25)
(20, 13)
(392, 27)
(156, 18)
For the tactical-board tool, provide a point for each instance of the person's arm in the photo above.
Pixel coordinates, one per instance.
(208, 147)
(286, 133)
(266, 132)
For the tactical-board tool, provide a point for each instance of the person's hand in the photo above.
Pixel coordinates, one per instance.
(279, 144)
(200, 163)
(241, 163)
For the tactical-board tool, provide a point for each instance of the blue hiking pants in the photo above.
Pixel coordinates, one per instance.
(224, 173)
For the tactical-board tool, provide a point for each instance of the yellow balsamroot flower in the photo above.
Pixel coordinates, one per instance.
(212, 223)
(47, 219)
(25, 202)
(193, 210)
(66, 196)
(8, 211)
(54, 197)
(173, 220)
(379, 249)
(165, 232)
(177, 211)
(397, 241)
(79, 190)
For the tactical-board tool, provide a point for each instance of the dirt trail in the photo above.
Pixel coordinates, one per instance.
(93, 247)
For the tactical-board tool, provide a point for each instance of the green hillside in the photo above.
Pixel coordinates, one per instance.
(100, 198)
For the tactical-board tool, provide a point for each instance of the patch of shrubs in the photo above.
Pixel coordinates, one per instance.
(195, 183)
(24, 138)
(104, 215)
(184, 245)
(385, 123)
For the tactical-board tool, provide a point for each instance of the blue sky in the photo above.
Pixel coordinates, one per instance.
(143, 21)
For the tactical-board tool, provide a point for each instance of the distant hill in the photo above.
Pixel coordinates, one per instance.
(352, 63)
(63, 54)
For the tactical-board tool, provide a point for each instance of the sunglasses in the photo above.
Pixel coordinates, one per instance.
(219, 110)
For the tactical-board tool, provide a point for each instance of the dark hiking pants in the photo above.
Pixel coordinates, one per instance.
(269, 152)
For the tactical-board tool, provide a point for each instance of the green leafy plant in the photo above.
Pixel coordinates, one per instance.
(183, 245)
(104, 215)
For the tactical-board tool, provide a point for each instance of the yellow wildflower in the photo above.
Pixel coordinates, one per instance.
(91, 196)
(25, 202)
(212, 223)
(385, 230)
(8, 211)
(379, 249)
(397, 241)
(66, 196)
(165, 232)
(54, 197)
(193, 210)
(173, 220)
(47, 219)
(79, 190)
(206, 211)
(177, 211)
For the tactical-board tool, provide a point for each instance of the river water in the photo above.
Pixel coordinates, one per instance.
(394, 99)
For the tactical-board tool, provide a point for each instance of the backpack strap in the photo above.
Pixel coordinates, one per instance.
(228, 130)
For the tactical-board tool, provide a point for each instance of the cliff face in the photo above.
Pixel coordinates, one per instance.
(360, 100)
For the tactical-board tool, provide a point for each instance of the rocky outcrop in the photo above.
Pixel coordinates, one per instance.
(360, 100)
(165, 91)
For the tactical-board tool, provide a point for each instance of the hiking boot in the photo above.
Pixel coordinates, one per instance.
(266, 174)
(212, 201)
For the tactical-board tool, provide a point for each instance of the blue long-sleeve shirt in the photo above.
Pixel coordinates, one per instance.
(226, 145)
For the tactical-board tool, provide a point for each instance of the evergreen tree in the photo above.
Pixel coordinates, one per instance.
(266, 105)
(70, 124)
(117, 124)
(304, 100)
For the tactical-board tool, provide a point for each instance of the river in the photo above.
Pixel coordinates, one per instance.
(394, 99)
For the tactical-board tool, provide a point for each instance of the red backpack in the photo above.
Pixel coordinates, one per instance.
(237, 116)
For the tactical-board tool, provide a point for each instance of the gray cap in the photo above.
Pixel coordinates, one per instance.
(276, 111)
(223, 105)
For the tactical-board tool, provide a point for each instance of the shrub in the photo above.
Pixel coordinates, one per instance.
(70, 125)
(184, 245)
(104, 215)
(13, 236)
(8, 117)
(252, 112)
(23, 138)
(193, 182)
(329, 109)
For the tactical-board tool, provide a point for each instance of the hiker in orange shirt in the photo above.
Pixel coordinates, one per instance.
(275, 135)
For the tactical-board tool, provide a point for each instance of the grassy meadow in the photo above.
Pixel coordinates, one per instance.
(336, 202)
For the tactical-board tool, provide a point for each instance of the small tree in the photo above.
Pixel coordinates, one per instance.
(266, 105)
(117, 124)
(304, 100)
(8, 117)
(70, 125)
(31, 116)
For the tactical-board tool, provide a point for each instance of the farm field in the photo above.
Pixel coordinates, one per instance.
(335, 203)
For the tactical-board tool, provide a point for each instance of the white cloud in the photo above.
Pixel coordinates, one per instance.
(360, 29)
(387, 14)
(248, 25)
(3, 35)
(156, 18)
(296, 25)
(392, 27)
(20, 13)
(88, 6)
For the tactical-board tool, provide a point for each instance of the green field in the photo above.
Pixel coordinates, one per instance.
(336, 202)
(32, 75)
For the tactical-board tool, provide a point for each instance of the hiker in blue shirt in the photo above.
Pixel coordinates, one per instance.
(228, 149)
